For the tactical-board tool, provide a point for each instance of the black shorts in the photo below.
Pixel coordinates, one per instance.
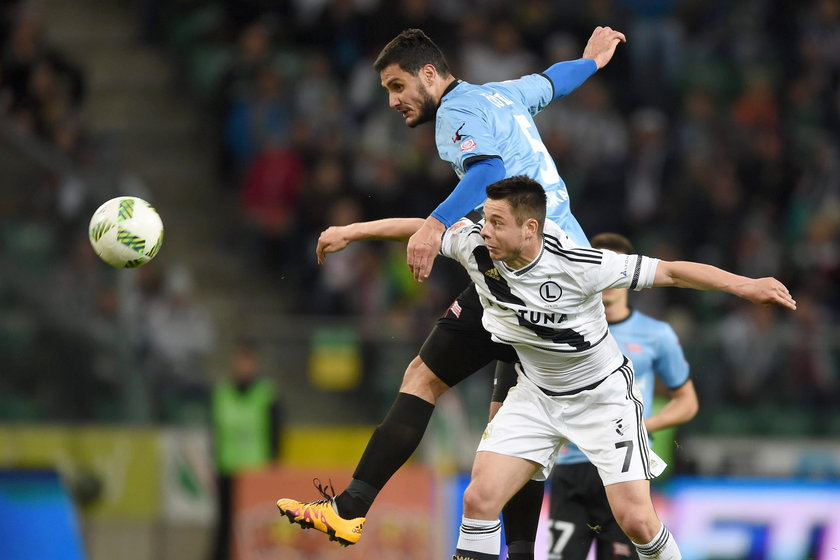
(580, 513)
(458, 345)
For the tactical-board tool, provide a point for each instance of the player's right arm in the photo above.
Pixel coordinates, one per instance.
(336, 238)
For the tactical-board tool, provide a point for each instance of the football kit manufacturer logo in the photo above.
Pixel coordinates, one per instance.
(492, 273)
(457, 137)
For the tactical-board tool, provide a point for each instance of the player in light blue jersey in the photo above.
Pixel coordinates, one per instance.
(486, 133)
(579, 512)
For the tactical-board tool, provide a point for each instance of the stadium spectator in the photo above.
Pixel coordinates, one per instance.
(247, 427)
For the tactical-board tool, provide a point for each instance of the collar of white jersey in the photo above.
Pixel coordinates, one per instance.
(530, 265)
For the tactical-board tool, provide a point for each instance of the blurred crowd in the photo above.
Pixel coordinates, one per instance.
(711, 136)
(64, 314)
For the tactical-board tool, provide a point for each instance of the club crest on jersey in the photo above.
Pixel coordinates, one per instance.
(457, 137)
(468, 145)
(492, 273)
(551, 291)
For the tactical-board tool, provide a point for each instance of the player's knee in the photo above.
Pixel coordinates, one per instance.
(639, 525)
(480, 501)
(422, 382)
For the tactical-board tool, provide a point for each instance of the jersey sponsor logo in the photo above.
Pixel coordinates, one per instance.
(457, 137)
(551, 291)
(468, 145)
(535, 317)
(634, 348)
(501, 291)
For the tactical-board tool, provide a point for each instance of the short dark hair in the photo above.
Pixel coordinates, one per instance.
(614, 242)
(526, 198)
(411, 50)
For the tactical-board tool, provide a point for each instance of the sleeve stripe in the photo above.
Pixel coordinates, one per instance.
(550, 81)
(475, 159)
(636, 272)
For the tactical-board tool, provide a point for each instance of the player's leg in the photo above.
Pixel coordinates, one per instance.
(456, 347)
(494, 480)
(606, 422)
(633, 510)
(521, 515)
(570, 524)
(610, 541)
(519, 443)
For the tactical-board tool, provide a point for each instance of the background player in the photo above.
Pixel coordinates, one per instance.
(580, 513)
(486, 132)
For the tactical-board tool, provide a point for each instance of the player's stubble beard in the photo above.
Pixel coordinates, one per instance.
(427, 108)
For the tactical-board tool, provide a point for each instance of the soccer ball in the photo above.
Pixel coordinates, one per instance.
(126, 232)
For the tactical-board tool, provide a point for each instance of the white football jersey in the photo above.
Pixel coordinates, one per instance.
(551, 311)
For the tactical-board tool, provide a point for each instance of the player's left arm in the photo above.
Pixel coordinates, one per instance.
(680, 408)
(566, 76)
(684, 274)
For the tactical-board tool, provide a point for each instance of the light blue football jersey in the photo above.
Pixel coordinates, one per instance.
(655, 351)
(496, 119)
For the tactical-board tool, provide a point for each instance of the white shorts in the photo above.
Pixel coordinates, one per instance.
(606, 422)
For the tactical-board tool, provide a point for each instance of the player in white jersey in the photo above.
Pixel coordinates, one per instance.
(486, 132)
(579, 513)
(541, 293)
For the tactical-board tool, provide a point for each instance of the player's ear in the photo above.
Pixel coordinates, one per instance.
(532, 227)
(428, 74)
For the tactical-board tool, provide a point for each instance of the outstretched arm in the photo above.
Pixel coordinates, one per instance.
(567, 76)
(336, 238)
(684, 274)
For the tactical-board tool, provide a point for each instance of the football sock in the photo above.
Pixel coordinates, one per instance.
(522, 516)
(520, 550)
(479, 539)
(390, 446)
(662, 547)
(358, 496)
